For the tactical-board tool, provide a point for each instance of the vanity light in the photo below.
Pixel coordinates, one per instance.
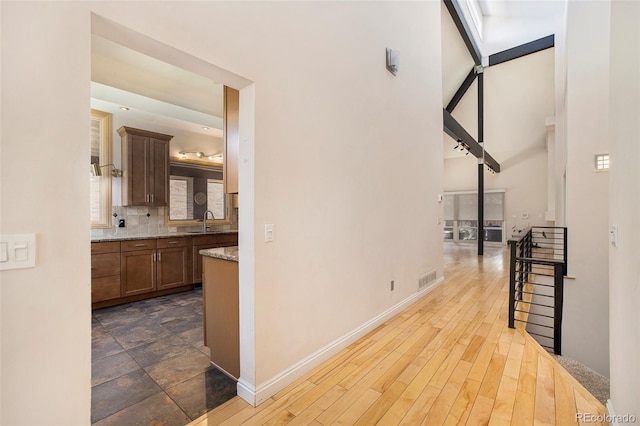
(95, 170)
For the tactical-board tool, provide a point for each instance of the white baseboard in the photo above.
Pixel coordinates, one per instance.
(256, 395)
(611, 413)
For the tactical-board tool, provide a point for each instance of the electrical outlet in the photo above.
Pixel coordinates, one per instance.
(392, 285)
(120, 223)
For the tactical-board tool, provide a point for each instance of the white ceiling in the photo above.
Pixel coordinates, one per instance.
(154, 91)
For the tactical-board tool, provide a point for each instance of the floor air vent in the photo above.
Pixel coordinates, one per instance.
(427, 279)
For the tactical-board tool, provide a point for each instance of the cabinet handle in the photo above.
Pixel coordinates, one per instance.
(152, 198)
(153, 256)
(140, 245)
(173, 242)
(159, 257)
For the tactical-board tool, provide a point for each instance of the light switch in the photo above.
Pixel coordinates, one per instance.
(268, 233)
(17, 251)
(613, 234)
(4, 252)
(21, 251)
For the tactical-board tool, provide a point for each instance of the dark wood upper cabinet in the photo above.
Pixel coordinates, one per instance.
(145, 167)
(231, 140)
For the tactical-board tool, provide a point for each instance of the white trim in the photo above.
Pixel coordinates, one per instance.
(611, 414)
(256, 395)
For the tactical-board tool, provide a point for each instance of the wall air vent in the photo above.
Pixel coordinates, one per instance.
(427, 279)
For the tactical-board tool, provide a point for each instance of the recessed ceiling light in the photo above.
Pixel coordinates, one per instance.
(206, 128)
(124, 108)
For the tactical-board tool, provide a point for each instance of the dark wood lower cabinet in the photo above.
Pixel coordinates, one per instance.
(138, 272)
(203, 242)
(105, 271)
(171, 267)
(123, 272)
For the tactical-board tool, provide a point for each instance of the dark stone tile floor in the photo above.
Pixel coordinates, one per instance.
(150, 365)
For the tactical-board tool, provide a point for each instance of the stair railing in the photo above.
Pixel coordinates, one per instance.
(538, 264)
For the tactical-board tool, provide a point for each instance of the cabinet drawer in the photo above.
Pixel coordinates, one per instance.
(105, 265)
(134, 245)
(172, 242)
(105, 247)
(105, 288)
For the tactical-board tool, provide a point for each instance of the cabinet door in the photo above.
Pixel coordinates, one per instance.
(231, 140)
(197, 262)
(145, 167)
(138, 169)
(158, 172)
(138, 272)
(172, 267)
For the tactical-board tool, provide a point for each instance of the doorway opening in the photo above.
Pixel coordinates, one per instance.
(154, 348)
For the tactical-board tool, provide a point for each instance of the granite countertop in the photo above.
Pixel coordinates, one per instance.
(225, 253)
(124, 237)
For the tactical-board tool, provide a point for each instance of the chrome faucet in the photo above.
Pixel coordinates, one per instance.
(204, 223)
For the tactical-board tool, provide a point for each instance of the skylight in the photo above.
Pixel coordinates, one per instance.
(476, 15)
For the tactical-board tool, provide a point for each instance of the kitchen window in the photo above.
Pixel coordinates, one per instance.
(194, 189)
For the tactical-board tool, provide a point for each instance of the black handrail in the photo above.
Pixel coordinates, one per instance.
(542, 246)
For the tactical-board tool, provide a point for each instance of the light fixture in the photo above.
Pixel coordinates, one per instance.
(124, 108)
(393, 59)
(95, 170)
(206, 128)
(200, 154)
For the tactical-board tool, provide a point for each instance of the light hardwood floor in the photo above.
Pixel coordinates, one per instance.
(448, 359)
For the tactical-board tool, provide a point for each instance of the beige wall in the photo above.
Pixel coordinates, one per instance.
(624, 196)
(46, 335)
(586, 122)
(342, 157)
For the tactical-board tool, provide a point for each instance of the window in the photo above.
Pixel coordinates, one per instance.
(100, 186)
(216, 198)
(180, 190)
(461, 217)
(602, 162)
(194, 189)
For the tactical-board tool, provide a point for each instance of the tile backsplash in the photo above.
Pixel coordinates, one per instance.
(149, 221)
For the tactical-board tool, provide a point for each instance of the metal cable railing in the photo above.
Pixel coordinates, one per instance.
(538, 264)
